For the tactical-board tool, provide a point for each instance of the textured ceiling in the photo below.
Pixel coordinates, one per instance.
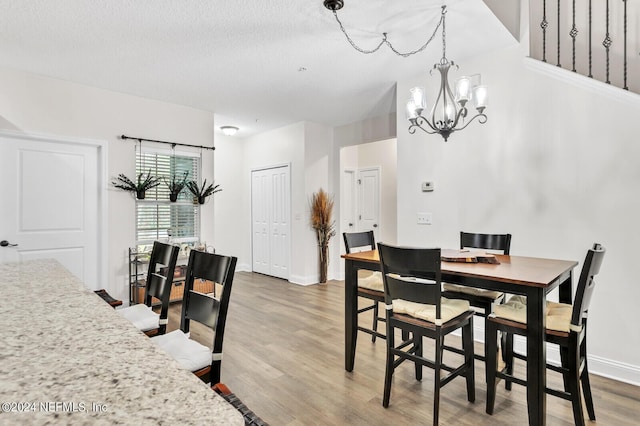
(257, 64)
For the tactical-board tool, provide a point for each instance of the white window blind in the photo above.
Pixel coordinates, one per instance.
(157, 218)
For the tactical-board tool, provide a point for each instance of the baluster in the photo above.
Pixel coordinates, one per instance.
(625, 87)
(558, 64)
(544, 24)
(607, 42)
(590, 50)
(574, 33)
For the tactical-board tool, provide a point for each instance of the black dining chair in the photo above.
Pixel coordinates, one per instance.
(413, 302)
(205, 309)
(369, 283)
(482, 300)
(566, 326)
(157, 285)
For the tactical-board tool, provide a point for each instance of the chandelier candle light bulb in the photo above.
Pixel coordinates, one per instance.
(449, 112)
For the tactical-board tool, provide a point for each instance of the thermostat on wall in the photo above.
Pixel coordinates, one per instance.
(427, 186)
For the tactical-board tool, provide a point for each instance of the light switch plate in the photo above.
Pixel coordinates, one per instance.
(427, 186)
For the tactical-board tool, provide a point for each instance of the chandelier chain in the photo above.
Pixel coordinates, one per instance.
(388, 43)
(444, 35)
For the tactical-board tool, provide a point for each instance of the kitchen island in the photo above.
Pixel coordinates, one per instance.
(66, 357)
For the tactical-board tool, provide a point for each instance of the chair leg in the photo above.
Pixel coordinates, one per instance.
(467, 344)
(574, 385)
(508, 358)
(436, 383)
(564, 360)
(374, 327)
(586, 385)
(417, 344)
(491, 363)
(388, 373)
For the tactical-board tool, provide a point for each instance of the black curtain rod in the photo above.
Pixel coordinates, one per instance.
(173, 144)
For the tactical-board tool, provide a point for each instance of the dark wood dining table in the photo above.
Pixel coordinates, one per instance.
(528, 276)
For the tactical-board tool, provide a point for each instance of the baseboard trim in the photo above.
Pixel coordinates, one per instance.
(303, 280)
(620, 371)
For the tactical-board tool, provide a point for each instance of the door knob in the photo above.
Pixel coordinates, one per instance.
(375, 225)
(351, 224)
(5, 243)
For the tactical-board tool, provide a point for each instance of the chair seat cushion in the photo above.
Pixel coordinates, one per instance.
(489, 294)
(558, 314)
(372, 281)
(450, 308)
(141, 315)
(191, 355)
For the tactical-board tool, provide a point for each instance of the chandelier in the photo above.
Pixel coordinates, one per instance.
(449, 112)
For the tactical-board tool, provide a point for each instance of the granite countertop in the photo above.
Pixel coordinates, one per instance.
(66, 357)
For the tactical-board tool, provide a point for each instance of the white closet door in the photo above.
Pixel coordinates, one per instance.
(260, 218)
(271, 206)
(51, 194)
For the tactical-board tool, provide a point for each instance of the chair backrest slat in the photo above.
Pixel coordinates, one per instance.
(420, 263)
(163, 258)
(205, 309)
(486, 241)
(586, 284)
(354, 240)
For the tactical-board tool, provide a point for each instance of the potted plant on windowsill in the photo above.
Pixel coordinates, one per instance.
(145, 182)
(200, 193)
(176, 186)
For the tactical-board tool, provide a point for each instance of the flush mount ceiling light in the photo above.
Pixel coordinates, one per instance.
(449, 113)
(229, 130)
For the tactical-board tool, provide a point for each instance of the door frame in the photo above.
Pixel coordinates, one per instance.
(102, 175)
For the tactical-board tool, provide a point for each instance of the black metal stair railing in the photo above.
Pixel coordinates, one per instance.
(599, 38)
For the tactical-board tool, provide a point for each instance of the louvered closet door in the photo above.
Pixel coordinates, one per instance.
(270, 209)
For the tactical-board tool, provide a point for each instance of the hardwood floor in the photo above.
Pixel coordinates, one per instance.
(284, 357)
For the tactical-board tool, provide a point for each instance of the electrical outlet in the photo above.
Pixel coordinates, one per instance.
(424, 218)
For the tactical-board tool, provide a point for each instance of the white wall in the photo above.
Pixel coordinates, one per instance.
(41, 105)
(231, 214)
(381, 154)
(276, 148)
(558, 166)
(352, 134)
(384, 154)
(317, 150)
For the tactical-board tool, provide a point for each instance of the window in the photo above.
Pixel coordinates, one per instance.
(157, 218)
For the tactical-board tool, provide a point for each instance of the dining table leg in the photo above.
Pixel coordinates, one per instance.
(350, 313)
(536, 356)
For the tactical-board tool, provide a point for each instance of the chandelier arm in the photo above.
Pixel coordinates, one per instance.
(420, 121)
(387, 42)
(482, 118)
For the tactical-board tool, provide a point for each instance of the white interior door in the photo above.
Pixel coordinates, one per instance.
(271, 206)
(348, 201)
(51, 194)
(369, 201)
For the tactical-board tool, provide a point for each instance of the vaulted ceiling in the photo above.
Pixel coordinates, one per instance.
(257, 64)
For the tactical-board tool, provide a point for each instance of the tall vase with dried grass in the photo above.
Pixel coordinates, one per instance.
(323, 224)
